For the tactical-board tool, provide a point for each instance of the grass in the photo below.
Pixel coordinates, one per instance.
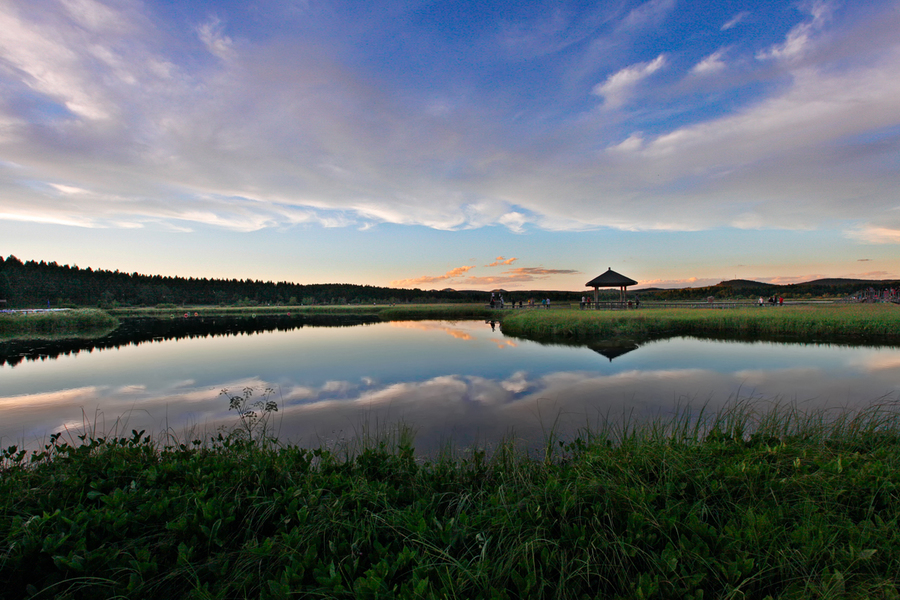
(757, 501)
(384, 311)
(44, 324)
(877, 322)
(860, 322)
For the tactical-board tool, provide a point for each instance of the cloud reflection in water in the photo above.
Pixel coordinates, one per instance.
(471, 393)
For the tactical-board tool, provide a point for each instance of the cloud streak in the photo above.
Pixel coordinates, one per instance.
(619, 86)
(502, 261)
(427, 279)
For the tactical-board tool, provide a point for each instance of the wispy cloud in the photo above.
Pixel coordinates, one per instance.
(711, 64)
(872, 234)
(500, 261)
(517, 276)
(676, 283)
(618, 87)
(212, 35)
(802, 36)
(541, 272)
(648, 14)
(735, 20)
(430, 279)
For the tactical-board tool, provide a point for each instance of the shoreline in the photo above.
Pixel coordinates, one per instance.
(822, 323)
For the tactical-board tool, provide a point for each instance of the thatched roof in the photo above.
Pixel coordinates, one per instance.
(610, 279)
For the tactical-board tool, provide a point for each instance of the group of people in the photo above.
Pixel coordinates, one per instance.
(498, 301)
(773, 301)
(874, 295)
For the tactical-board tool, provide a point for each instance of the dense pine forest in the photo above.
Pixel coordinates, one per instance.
(39, 284)
(42, 284)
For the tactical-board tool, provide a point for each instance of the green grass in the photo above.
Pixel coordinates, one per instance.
(861, 321)
(438, 311)
(70, 322)
(384, 311)
(758, 501)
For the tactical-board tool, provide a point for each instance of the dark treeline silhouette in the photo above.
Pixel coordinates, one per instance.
(39, 284)
(42, 284)
(31, 283)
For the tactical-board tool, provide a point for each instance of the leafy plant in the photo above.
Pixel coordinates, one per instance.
(253, 415)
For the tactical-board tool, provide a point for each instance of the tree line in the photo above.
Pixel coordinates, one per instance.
(41, 284)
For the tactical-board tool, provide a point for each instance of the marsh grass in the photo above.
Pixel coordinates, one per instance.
(757, 500)
(860, 321)
(440, 311)
(55, 324)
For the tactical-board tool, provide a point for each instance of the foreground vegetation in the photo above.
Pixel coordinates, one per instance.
(751, 503)
(43, 324)
(875, 322)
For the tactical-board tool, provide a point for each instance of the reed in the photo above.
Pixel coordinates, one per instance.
(385, 312)
(439, 311)
(69, 322)
(861, 321)
(758, 500)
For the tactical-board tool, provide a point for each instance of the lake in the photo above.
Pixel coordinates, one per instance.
(459, 382)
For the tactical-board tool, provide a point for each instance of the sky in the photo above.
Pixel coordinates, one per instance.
(453, 144)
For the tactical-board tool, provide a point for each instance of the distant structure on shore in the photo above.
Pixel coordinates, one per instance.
(613, 280)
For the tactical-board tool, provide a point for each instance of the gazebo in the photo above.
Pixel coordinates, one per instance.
(610, 279)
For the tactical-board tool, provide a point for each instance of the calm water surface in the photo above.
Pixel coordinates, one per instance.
(459, 381)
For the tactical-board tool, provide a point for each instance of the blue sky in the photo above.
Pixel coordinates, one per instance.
(458, 144)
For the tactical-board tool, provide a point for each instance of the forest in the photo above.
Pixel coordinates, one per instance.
(41, 284)
(33, 284)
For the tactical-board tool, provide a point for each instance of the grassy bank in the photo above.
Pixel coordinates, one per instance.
(70, 322)
(861, 321)
(386, 312)
(876, 322)
(753, 503)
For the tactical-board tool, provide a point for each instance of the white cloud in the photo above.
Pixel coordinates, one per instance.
(212, 36)
(735, 20)
(48, 64)
(284, 133)
(618, 87)
(92, 15)
(650, 13)
(800, 37)
(872, 234)
(710, 64)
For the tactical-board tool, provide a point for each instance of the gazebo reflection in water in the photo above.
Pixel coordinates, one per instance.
(611, 279)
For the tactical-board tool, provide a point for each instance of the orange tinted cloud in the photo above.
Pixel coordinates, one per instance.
(510, 276)
(426, 279)
(541, 272)
(456, 332)
(500, 261)
(519, 275)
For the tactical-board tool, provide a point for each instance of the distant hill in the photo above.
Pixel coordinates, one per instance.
(740, 283)
(745, 288)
